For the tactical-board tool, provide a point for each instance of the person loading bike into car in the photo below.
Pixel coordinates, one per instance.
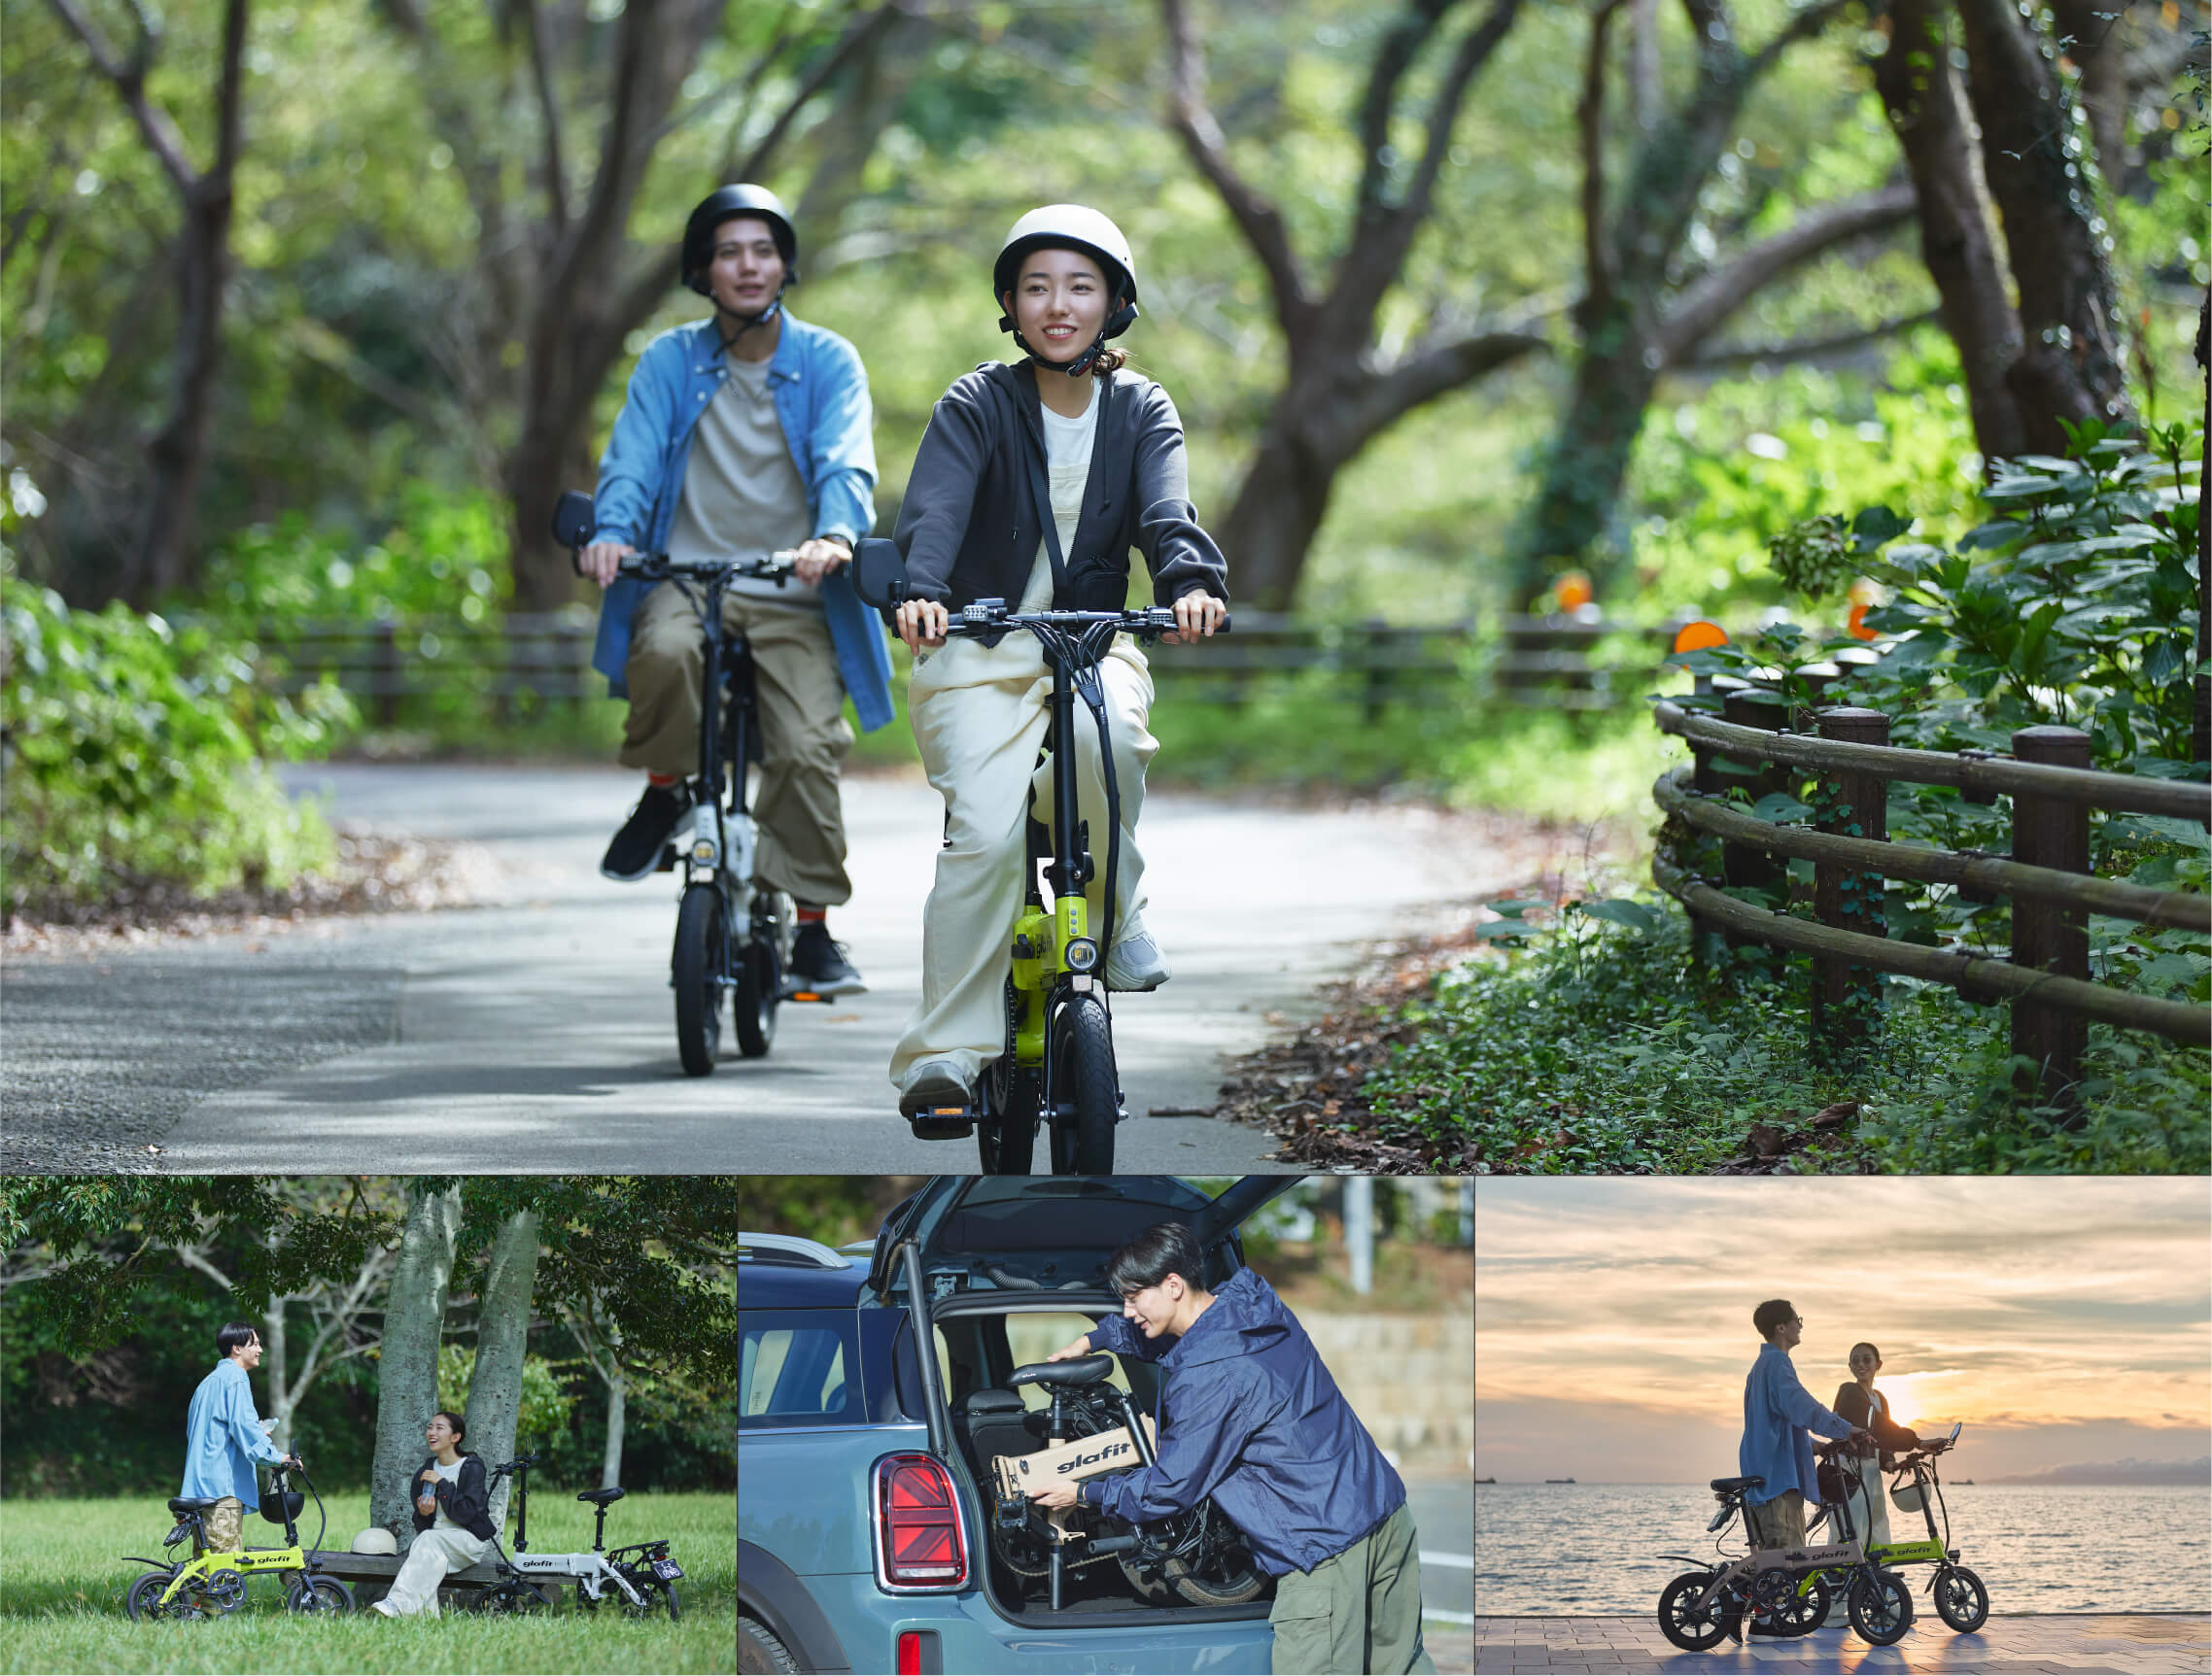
(741, 435)
(1107, 445)
(1777, 1411)
(1254, 1421)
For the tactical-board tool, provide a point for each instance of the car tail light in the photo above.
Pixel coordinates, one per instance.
(920, 1546)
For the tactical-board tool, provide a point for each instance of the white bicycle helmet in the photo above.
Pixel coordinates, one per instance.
(1079, 227)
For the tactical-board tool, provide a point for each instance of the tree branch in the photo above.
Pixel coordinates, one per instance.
(193, 1259)
(1802, 27)
(1707, 302)
(1590, 121)
(1473, 54)
(129, 83)
(1383, 399)
(1809, 347)
(1261, 222)
(549, 113)
(856, 33)
(1400, 47)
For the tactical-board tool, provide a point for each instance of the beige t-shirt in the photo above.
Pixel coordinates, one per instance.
(742, 495)
(1067, 474)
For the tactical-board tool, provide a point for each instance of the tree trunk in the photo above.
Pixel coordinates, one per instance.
(414, 1323)
(617, 1391)
(1917, 89)
(1271, 524)
(2202, 745)
(278, 1373)
(1588, 460)
(2092, 27)
(2071, 364)
(503, 1341)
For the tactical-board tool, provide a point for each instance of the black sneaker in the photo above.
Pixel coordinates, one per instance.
(636, 848)
(818, 966)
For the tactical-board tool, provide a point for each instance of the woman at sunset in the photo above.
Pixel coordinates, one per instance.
(1859, 1402)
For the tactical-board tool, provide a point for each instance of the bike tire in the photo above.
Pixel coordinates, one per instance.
(1692, 1630)
(755, 997)
(319, 1594)
(697, 968)
(1240, 1581)
(1082, 1077)
(1960, 1600)
(1799, 1614)
(658, 1595)
(143, 1604)
(1881, 1621)
(1006, 1142)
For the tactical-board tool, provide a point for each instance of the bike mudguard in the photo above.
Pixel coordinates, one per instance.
(1070, 1462)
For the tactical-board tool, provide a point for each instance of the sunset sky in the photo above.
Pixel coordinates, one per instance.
(2063, 1320)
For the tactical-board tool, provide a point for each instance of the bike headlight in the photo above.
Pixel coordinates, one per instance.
(1082, 954)
(702, 851)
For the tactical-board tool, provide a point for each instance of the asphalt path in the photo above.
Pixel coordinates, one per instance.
(536, 1034)
(1443, 1514)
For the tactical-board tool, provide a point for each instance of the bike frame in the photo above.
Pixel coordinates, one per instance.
(590, 1572)
(245, 1561)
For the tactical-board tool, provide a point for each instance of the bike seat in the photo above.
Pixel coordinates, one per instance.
(601, 1497)
(183, 1504)
(1081, 1371)
(1724, 1486)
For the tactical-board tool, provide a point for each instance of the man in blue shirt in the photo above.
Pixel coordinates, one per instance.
(223, 1438)
(1255, 1422)
(1777, 1412)
(741, 435)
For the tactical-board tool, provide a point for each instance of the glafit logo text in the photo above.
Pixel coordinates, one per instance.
(1109, 1453)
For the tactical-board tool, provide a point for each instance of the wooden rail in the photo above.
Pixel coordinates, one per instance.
(2048, 879)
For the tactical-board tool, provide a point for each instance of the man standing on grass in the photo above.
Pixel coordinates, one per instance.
(224, 1439)
(1254, 1421)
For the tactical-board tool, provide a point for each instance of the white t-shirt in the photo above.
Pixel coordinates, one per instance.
(1067, 474)
(452, 1475)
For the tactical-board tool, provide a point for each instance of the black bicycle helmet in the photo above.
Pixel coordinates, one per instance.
(1075, 228)
(717, 207)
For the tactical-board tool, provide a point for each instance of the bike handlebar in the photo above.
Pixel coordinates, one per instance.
(660, 567)
(989, 616)
(530, 1459)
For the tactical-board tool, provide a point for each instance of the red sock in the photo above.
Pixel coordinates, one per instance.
(811, 916)
(664, 781)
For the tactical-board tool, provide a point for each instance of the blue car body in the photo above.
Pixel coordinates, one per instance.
(831, 1388)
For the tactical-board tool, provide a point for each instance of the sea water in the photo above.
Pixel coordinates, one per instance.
(1569, 1549)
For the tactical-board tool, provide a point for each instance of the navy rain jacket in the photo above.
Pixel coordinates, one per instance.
(1254, 1421)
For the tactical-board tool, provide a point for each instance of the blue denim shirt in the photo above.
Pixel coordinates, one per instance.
(821, 402)
(223, 1438)
(1259, 1427)
(1776, 1410)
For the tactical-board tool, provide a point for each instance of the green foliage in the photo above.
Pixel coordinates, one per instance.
(546, 1398)
(1592, 1043)
(446, 555)
(135, 754)
(61, 1601)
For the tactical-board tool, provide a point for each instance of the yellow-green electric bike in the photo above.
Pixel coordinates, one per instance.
(214, 1584)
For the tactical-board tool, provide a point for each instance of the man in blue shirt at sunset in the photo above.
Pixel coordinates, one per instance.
(1777, 1412)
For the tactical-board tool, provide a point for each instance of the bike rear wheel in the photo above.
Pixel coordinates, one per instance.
(1680, 1619)
(144, 1601)
(1083, 1082)
(1008, 1144)
(755, 997)
(1881, 1611)
(1804, 1609)
(1232, 1581)
(698, 970)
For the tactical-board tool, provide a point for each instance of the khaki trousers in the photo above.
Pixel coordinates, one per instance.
(804, 735)
(1778, 1523)
(435, 1552)
(226, 1526)
(1356, 1611)
(978, 716)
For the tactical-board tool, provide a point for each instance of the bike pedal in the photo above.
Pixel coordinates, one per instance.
(668, 861)
(943, 1123)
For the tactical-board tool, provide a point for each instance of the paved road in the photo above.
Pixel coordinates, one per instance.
(536, 1035)
(1444, 1513)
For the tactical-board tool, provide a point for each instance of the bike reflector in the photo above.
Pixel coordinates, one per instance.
(919, 1542)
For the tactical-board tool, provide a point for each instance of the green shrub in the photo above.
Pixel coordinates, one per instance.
(134, 756)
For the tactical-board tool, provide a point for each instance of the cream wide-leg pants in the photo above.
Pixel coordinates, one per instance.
(436, 1552)
(979, 715)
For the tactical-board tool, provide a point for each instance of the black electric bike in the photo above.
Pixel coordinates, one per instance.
(1785, 1591)
(1057, 1067)
(1197, 1557)
(730, 935)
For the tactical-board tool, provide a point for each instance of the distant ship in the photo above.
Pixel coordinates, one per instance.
(1956, 1481)
(1559, 1481)
(1486, 1481)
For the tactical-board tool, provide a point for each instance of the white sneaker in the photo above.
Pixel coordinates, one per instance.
(933, 1082)
(1135, 965)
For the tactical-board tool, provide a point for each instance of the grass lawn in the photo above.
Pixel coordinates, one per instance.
(63, 1577)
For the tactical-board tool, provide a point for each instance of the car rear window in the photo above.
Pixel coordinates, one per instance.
(796, 1367)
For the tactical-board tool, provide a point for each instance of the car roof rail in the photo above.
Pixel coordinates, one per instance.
(790, 1250)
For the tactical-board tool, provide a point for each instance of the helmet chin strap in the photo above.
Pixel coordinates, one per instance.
(747, 322)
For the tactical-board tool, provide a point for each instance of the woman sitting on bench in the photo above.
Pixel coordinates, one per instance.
(453, 1520)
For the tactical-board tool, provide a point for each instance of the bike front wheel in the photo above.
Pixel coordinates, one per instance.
(1882, 1610)
(1085, 1085)
(698, 971)
(1960, 1601)
(319, 1594)
(1684, 1623)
